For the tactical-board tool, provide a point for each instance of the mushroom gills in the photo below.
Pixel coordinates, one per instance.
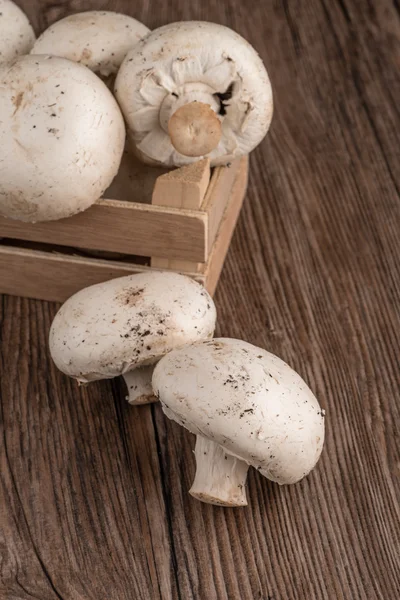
(220, 478)
(223, 98)
(187, 63)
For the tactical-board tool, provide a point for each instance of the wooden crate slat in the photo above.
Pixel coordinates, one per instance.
(51, 276)
(224, 235)
(183, 188)
(124, 227)
(55, 277)
(217, 196)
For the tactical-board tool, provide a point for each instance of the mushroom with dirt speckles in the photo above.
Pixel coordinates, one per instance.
(193, 89)
(124, 326)
(62, 137)
(100, 40)
(16, 34)
(247, 407)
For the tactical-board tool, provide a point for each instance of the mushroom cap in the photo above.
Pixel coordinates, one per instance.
(100, 40)
(248, 401)
(62, 137)
(194, 60)
(110, 328)
(16, 34)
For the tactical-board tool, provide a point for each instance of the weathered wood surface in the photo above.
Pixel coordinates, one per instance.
(93, 494)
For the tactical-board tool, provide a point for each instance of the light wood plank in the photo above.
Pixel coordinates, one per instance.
(217, 196)
(47, 276)
(124, 227)
(213, 267)
(182, 188)
(56, 276)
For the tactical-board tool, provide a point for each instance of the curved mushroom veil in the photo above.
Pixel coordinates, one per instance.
(188, 62)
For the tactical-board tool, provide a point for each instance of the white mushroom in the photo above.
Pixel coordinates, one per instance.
(191, 89)
(100, 40)
(247, 407)
(129, 323)
(62, 137)
(16, 34)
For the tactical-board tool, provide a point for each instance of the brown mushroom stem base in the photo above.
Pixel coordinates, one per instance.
(139, 386)
(195, 129)
(220, 478)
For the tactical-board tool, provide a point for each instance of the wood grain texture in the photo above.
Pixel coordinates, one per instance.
(215, 200)
(212, 269)
(56, 275)
(122, 226)
(125, 227)
(182, 188)
(93, 492)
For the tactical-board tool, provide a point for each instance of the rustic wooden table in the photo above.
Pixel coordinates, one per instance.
(93, 495)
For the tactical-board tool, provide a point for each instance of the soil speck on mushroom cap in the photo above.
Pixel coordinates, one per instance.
(130, 296)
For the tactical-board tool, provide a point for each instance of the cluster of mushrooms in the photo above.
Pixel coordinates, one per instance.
(245, 405)
(96, 83)
(93, 83)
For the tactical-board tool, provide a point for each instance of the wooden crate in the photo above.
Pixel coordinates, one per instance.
(53, 260)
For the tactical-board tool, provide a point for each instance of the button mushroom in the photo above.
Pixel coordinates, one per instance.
(100, 40)
(247, 407)
(129, 323)
(62, 137)
(16, 34)
(191, 89)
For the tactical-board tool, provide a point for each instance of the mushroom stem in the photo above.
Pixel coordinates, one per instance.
(195, 129)
(138, 382)
(220, 478)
